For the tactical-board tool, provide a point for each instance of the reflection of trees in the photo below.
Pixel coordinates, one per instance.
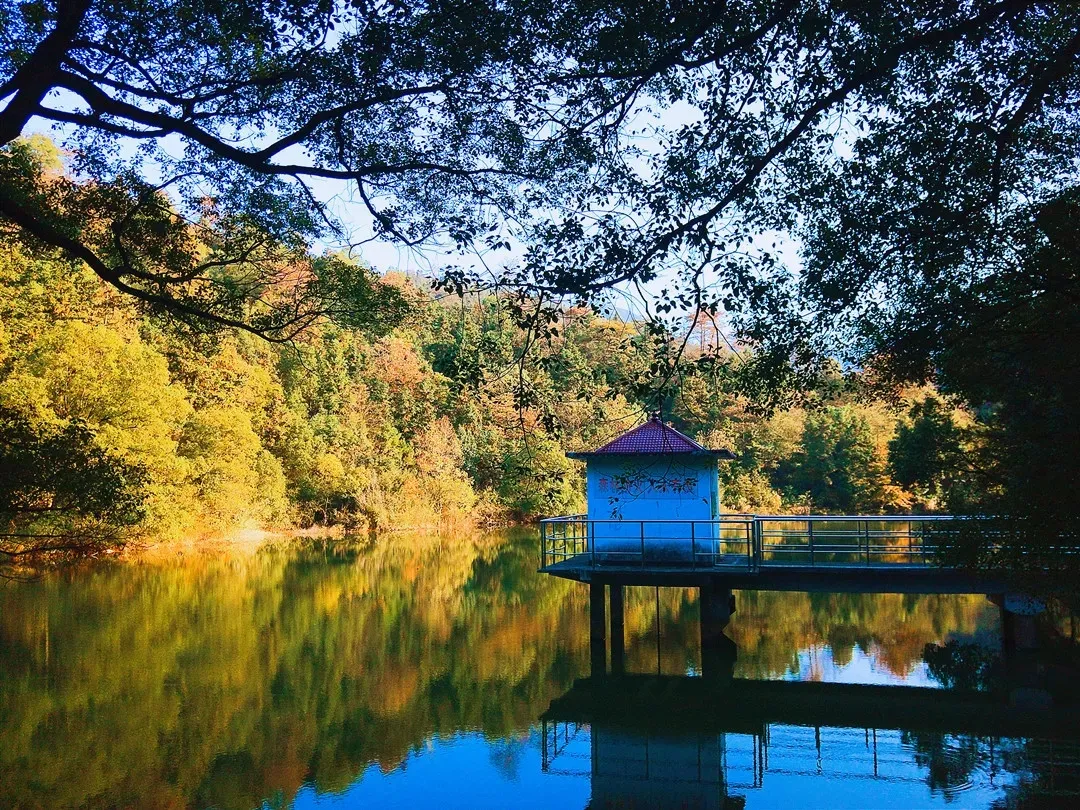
(949, 759)
(960, 665)
(679, 633)
(227, 680)
(771, 627)
(231, 679)
(1048, 771)
(1038, 773)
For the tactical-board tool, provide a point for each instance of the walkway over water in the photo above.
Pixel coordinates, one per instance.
(849, 553)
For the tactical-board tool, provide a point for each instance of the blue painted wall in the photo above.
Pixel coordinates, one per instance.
(681, 490)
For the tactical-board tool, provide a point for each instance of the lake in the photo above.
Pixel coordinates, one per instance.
(418, 671)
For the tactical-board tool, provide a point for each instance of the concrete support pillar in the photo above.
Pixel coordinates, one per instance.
(597, 642)
(1021, 631)
(618, 634)
(1019, 643)
(717, 650)
(718, 660)
(1018, 621)
(717, 605)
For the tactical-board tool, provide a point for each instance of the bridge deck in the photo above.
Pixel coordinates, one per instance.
(888, 578)
(852, 553)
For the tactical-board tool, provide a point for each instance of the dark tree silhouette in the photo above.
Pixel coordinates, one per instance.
(904, 142)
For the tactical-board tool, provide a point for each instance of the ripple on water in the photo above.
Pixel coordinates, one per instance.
(955, 764)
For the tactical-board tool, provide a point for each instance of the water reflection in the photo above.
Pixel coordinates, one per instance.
(667, 742)
(405, 671)
(812, 767)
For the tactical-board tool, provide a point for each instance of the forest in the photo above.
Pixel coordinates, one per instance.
(117, 424)
(849, 232)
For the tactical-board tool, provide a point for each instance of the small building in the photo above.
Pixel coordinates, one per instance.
(652, 492)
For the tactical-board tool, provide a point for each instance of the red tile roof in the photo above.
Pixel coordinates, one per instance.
(652, 437)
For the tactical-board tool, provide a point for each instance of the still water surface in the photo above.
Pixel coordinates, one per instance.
(414, 672)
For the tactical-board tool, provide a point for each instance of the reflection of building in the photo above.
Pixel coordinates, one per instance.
(676, 742)
(633, 770)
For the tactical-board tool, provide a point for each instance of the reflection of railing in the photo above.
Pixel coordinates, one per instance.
(557, 740)
(1034, 767)
(747, 542)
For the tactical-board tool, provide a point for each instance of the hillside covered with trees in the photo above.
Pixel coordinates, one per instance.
(115, 423)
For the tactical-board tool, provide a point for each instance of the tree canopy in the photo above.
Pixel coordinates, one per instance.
(903, 144)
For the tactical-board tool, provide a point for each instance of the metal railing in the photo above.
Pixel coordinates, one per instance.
(747, 541)
(723, 542)
(851, 540)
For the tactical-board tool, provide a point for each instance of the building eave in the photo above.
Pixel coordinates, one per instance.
(723, 455)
